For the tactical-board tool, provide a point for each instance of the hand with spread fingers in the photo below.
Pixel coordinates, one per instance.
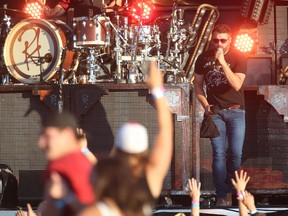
(241, 180)
(193, 188)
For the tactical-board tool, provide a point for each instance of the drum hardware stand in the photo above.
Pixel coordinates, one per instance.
(93, 67)
(61, 79)
(118, 50)
(176, 35)
(6, 20)
(5, 29)
(60, 101)
(40, 62)
(5, 79)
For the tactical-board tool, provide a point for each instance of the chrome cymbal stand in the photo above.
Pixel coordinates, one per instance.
(119, 50)
(176, 37)
(5, 29)
(92, 65)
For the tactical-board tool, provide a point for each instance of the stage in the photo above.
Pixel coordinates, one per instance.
(102, 107)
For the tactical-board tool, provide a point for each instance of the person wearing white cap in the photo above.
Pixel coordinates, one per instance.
(148, 168)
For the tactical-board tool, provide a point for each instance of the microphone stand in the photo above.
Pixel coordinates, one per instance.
(40, 62)
(61, 79)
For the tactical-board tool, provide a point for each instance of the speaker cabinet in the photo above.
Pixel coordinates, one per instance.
(8, 187)
(259, 70)
(30, 186)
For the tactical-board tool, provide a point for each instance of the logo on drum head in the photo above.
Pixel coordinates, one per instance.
(29, 54)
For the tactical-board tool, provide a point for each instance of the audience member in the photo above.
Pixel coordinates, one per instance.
(67, 166)
(82, 137)
(245, 199)
(194, 192)
(116, 191)
(131, 145)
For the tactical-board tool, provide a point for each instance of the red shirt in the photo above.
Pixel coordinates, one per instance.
(64, 4)
(76, 169)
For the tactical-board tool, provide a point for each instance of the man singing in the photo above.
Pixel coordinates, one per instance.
(223, 70)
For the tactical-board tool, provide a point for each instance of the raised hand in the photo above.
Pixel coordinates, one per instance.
(194, 189)
(241, 180)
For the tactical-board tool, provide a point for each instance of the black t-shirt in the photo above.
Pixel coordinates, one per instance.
(218, 90)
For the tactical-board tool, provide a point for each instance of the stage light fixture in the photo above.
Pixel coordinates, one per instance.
(34, 8)
(141, 11)
(257, 11)
(244, 42)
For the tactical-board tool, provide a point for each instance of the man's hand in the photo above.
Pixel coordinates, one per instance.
(220, 55)
(208, 110)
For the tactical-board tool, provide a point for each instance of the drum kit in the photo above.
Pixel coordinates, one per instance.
(93, 49)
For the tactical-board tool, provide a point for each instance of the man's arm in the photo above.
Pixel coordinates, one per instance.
(162, 150)
(199, 92)
(235, 78)
(57, 11)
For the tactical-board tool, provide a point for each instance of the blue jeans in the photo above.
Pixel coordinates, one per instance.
(227, 159)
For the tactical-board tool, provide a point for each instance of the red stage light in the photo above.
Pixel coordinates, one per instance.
(141, 12)
(34, 8)
(244, 43)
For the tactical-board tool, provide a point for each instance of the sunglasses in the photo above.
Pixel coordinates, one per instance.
(221, 40)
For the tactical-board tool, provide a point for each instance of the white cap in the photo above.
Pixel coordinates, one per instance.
(132, 138)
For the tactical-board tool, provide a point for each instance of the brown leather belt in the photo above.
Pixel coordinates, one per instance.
(235, 106)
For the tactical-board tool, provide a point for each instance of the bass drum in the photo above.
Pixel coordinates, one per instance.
(35, 47)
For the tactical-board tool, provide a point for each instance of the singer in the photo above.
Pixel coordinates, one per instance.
(223, 69)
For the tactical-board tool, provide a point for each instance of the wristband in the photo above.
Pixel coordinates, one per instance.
(85, 151)
(195, 202)
(253, 212)
(194, 205)
(158, 92)
(240, 196)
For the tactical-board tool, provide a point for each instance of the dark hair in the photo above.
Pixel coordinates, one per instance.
(60, 120)
(113, 180)
(222, 28)
(142, 158)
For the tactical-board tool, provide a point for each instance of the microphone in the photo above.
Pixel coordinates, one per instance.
(220, 49)
(46, 58)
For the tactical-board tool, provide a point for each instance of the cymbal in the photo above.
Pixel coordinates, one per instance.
(14, 13)
(171, 2)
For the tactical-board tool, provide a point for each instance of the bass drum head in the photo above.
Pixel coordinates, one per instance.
(29, 40)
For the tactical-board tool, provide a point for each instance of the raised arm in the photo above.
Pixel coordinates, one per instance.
(160, 158)
(194, 193)
(239, 184)
(235, 78)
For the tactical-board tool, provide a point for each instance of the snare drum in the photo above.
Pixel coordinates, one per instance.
(29, 41)
(92, 32)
